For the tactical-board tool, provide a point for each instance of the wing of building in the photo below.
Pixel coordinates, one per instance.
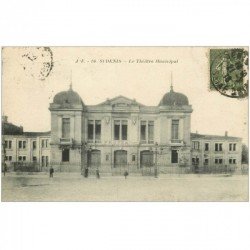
(119, 134)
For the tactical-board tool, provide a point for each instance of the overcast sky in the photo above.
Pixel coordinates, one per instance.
(26, 97)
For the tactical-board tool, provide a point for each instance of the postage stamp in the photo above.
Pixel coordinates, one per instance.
(229, 72)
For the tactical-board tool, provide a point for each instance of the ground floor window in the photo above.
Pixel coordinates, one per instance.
(218, 161)
(206, 162)
(232, 161)
(65, 155)
(174, 156)
(195, 160)
(22, 158)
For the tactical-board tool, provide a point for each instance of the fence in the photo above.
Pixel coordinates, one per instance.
(120, 169)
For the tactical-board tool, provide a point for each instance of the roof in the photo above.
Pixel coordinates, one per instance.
(173, 98)
(69, 97)
(11, 129)
(213, 137)
(47, 133)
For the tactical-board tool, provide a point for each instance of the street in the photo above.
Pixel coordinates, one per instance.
(74, 187)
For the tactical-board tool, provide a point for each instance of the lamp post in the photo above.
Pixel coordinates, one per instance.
(156, 158)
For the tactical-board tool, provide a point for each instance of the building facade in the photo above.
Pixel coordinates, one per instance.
(119, 134)
(24, 148)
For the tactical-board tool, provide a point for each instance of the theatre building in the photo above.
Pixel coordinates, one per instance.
(119, 132)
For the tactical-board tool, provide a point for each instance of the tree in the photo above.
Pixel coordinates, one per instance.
(244, 157)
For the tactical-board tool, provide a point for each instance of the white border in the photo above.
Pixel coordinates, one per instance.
(124, 225)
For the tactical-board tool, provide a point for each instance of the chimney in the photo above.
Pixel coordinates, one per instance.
(196, 131)
(226, 133)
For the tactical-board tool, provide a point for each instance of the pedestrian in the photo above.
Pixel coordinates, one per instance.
(97, 174)
(86, 172)
(51, 172)
(126, 174)
(5, 169)
(156, 173)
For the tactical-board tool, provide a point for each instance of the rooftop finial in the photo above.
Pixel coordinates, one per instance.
(70, 85)
(171, 82)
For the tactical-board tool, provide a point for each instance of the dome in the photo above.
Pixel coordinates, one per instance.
(173, 99)
(69, 97)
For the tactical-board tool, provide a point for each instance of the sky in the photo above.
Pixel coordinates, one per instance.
(98, 73)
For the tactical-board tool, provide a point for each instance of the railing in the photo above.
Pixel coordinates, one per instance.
(66, 141)
(119, 169)
(176, 141)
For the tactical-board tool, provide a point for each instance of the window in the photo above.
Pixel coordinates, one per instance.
(8, 144)
(98, 130)
(9, 158)
(47, 161)
(65, 155)
(94, 130)
(218, 161)
(143, 131)
(232, 161)
(121, 130)
(117, 130)
(147, 132)
(206, 161)
(124, 130)
(22, 144)
(150, 132)
(34, 145)
(107, 157)
(43, 161)
(232, 146)
(206, 146)
(45, 143)
(196, 145)
(195, 160)
(66, 128)
(34, 159)
(90, 130)
(175, 129)
(133, 157)
(21, 158)
(174, 156)
(218, 146)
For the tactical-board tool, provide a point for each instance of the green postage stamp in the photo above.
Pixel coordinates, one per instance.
(229, 72)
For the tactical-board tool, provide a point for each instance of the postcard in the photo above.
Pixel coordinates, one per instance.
(125, 124)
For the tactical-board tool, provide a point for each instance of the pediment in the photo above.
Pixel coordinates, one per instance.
(121, 101)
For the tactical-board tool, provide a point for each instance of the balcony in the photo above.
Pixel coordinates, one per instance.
(176, 142)
(66, 141)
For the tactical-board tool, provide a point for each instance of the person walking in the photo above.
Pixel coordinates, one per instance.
(126, 174)
(97, 173)
(5, 169)
(51, 172)
(86, 172)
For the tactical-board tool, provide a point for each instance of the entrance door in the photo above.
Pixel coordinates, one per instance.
(120, 158)
(146, 159)
(65, 155)
(94, 159)
(174, 156)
